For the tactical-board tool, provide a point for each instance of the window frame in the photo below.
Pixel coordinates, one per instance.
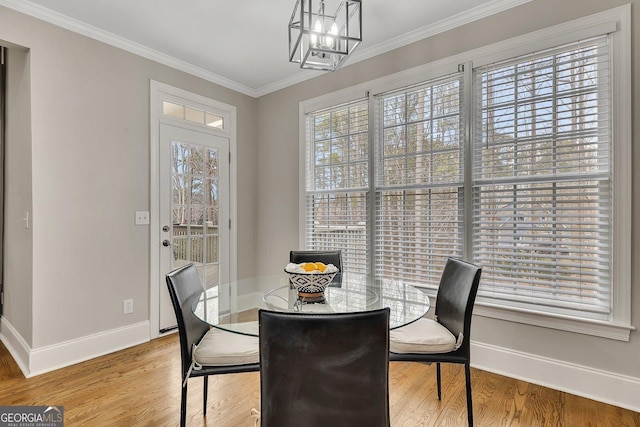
(615, 22)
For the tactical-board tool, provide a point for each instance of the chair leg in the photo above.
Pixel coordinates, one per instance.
(438, 380)
(467, 373)
(204, 395)
(183, 406)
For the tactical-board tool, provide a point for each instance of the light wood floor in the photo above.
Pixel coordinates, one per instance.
(140, 386)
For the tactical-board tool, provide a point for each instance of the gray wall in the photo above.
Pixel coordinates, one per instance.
(278, 170)
(86, 169)
(18, 259)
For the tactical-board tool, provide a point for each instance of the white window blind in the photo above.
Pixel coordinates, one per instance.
(542, 195)
(419, 180)
(337, 182)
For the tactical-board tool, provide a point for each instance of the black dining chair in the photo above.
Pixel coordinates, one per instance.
(447, 338)
(321, 370)
(327, 257)
(205, 350)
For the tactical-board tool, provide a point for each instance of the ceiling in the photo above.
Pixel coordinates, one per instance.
(243, 44)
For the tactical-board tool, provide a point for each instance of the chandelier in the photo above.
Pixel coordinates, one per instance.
(322, 41)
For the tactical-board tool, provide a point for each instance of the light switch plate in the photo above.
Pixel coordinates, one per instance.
(142, 217)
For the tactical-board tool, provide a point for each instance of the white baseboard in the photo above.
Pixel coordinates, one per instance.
(17, 346)
(44, 359)
(608, 387)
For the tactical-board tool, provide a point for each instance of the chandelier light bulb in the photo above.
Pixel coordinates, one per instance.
(333, 31)
(318, 28)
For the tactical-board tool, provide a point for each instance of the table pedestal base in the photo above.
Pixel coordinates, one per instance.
(311, 297)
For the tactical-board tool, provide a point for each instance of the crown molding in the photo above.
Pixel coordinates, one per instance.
(299, 77)
(438, 27)
(95, 33)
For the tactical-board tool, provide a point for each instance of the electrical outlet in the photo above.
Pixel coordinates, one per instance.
(127, 306)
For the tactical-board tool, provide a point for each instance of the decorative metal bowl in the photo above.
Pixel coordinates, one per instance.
(311, 284)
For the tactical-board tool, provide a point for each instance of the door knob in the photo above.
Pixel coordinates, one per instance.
(166, 242)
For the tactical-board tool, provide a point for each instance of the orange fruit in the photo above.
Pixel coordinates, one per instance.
(309, 266)
(321, 266)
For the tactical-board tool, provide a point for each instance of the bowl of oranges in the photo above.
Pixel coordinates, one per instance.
(311, 278)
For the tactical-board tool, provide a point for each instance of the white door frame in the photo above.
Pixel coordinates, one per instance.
(158, 93)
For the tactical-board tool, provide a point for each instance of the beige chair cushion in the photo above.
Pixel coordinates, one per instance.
(224, 348)
(422, 336)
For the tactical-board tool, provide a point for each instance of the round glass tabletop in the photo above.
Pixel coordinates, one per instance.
(234, 306)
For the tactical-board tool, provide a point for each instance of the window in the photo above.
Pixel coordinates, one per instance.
(520, 163)
(194, 115)
(542, 183)
(419, 180)
(337, 184)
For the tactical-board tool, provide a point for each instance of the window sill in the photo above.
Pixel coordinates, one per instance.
(610, 330)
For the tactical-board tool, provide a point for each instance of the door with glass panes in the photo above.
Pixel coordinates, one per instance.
(194, 208)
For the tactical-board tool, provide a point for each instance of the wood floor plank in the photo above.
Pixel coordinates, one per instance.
(140, 386)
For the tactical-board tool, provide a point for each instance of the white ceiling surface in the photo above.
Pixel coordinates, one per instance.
(243, 44)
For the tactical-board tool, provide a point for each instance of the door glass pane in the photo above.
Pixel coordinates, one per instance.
(212, 162)
(196, 161)
(197, 219)
(194, 207)
(212, 192)
(197, 190)
(212, 218)
(179, 217)
(179, 156)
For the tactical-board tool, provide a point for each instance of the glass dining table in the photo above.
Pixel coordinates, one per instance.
(234, 306)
